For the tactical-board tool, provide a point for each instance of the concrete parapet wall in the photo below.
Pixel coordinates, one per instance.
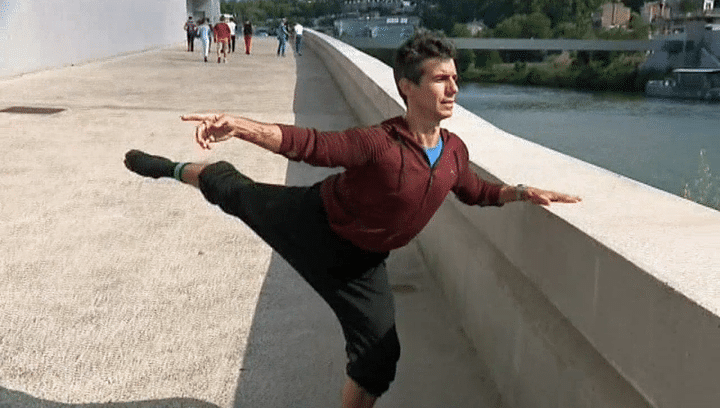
(38, 35)
(612, 302)
(374, 97)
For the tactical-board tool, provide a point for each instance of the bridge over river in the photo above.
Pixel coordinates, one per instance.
(521, 44)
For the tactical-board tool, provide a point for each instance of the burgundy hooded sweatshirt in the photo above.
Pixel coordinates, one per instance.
(388, 191)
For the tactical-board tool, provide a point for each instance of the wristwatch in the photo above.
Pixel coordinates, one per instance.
(520, 192)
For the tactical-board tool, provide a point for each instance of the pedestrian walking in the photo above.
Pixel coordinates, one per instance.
(338, 232)
(191, 31)
(222, 39)
(233, 27)
(282, 36)
(205, 34)
(247, 34)
(298, 30)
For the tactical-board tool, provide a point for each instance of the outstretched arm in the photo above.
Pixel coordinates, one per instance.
(534, 195)
(215, 128)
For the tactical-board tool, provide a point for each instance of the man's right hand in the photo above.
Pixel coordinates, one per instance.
(213, 128)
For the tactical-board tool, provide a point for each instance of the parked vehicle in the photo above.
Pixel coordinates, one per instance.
(688, 83)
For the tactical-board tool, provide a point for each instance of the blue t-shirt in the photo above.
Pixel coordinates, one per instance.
(433, 153)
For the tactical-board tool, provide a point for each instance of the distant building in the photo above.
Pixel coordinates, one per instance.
(613, 15)
(381, 6)
(656, 10)
(387, 29)
(476, 27)
(201, 9)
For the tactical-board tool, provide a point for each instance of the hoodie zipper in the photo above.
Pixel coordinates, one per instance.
(431, 167)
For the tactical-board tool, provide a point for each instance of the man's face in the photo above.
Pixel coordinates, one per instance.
(434, 97)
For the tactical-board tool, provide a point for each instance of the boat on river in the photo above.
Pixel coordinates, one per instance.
(687, 83)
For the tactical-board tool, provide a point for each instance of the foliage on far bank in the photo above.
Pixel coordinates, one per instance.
(618, 73)
(602, 71)
(608, 72)
(261, 11)
(566, 19)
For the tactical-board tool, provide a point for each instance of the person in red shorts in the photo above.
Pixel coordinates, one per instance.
(337, 233)
(222, 38)
(247, 34)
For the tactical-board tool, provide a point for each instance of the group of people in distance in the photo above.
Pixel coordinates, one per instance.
(223, 34)
(283, 35)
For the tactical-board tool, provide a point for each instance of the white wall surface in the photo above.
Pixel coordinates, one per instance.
(41, 34)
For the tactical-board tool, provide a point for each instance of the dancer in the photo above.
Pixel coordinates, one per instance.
(338, 232)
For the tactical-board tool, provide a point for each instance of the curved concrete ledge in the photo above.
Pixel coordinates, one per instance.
(612, 302)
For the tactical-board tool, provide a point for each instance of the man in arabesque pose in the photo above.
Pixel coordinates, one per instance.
(338, 232)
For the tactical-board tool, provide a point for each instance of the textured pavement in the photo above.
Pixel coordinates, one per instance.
(121, 291)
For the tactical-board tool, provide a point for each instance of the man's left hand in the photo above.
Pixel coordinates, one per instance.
(545, 197)
(535, 195)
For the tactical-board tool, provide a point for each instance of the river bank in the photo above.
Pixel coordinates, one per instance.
(597, 71)
(608, 72)
(671, 145)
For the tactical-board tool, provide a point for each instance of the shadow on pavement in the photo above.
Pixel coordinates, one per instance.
(17, 399)
(295, 353)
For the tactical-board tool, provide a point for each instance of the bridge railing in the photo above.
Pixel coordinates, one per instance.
(612, 302)
(522, 44)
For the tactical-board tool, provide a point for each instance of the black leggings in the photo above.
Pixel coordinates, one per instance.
(353, 281)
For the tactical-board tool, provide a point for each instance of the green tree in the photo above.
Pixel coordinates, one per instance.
(226, 8)
(486, 59)
(639, 29)
(465, 58)
(572, 30)
(511, 27)
(493, 12)
(687, 6)
(435, 16)
(635, 5)
(250, 11)
(295, 10)
(535, 25)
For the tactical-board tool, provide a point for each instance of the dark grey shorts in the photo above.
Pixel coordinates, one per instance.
(353, 281)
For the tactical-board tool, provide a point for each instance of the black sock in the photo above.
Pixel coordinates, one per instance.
(148, 165)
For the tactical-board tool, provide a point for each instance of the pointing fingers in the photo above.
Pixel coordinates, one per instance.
(212, 128)
(200, 117)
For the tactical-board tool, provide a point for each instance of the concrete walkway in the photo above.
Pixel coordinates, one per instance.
(120, 291)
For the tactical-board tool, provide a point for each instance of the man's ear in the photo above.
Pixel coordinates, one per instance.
(404, 86)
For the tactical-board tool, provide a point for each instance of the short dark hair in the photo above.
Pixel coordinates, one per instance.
(423, 45)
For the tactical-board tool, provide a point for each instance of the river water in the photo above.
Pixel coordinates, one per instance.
(672, 145)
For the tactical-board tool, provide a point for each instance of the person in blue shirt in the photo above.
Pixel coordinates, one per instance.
(282, 36)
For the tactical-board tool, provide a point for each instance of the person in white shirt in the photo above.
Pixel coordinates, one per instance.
(298, 29)
(233, 27)
(205, 34)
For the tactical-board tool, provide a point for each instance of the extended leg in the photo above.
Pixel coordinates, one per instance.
(248, 44)
(292, 221)
(157, 166)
